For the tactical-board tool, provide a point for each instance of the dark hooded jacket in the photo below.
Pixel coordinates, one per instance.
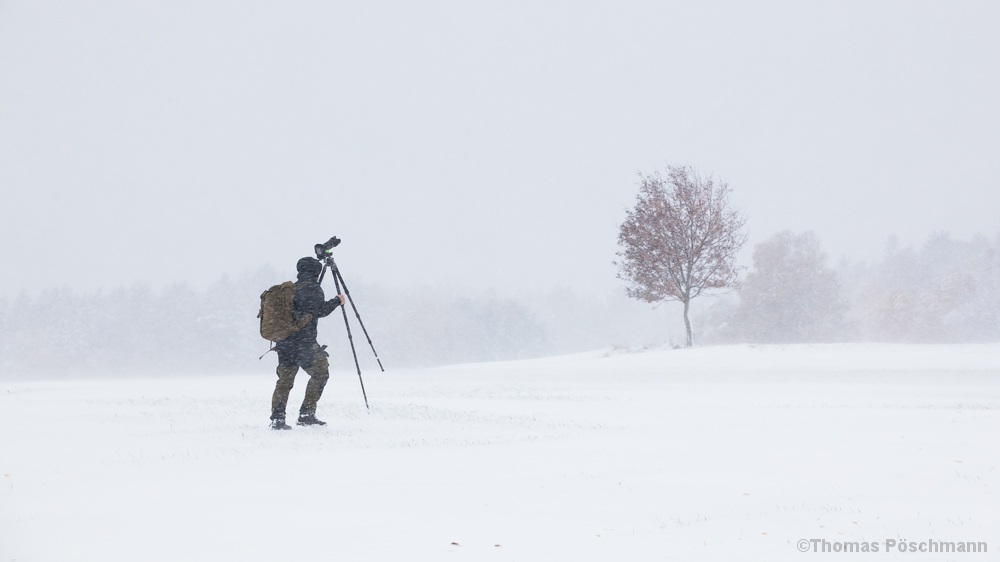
(299, 348)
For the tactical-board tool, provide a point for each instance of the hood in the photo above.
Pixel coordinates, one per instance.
(309, 269)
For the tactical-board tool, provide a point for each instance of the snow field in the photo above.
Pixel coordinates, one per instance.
(714, 453)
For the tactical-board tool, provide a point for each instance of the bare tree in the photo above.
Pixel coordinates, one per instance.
(680, 239)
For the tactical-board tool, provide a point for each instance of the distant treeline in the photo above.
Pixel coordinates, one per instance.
(138, 330)
(945, 291)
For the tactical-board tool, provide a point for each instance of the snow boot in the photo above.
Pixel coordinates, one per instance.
(278, 418)
(309, 419)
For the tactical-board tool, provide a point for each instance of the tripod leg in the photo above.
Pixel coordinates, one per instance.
(350, 338)
(337, 275)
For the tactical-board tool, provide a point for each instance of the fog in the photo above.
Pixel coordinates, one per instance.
(162, 163)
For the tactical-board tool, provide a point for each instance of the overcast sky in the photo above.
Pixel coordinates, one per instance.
(475, 144)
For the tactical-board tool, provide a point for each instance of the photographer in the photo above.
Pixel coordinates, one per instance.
(301, 349)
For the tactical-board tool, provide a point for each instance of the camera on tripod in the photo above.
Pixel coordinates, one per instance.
(323, 250)
(324, 254)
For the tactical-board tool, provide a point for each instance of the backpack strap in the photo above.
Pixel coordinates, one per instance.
(268, 351)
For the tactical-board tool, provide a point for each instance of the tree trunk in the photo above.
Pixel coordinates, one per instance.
(687, 323)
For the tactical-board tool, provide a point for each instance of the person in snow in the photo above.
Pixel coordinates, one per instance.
(302, 350)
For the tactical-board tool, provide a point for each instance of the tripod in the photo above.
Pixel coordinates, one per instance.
(338, 280)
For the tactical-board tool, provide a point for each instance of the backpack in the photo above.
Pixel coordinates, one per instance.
(278, 319)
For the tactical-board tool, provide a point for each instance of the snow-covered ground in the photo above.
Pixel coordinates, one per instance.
(714, 453)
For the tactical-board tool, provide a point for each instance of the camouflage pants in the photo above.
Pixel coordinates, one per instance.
(319, 373)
